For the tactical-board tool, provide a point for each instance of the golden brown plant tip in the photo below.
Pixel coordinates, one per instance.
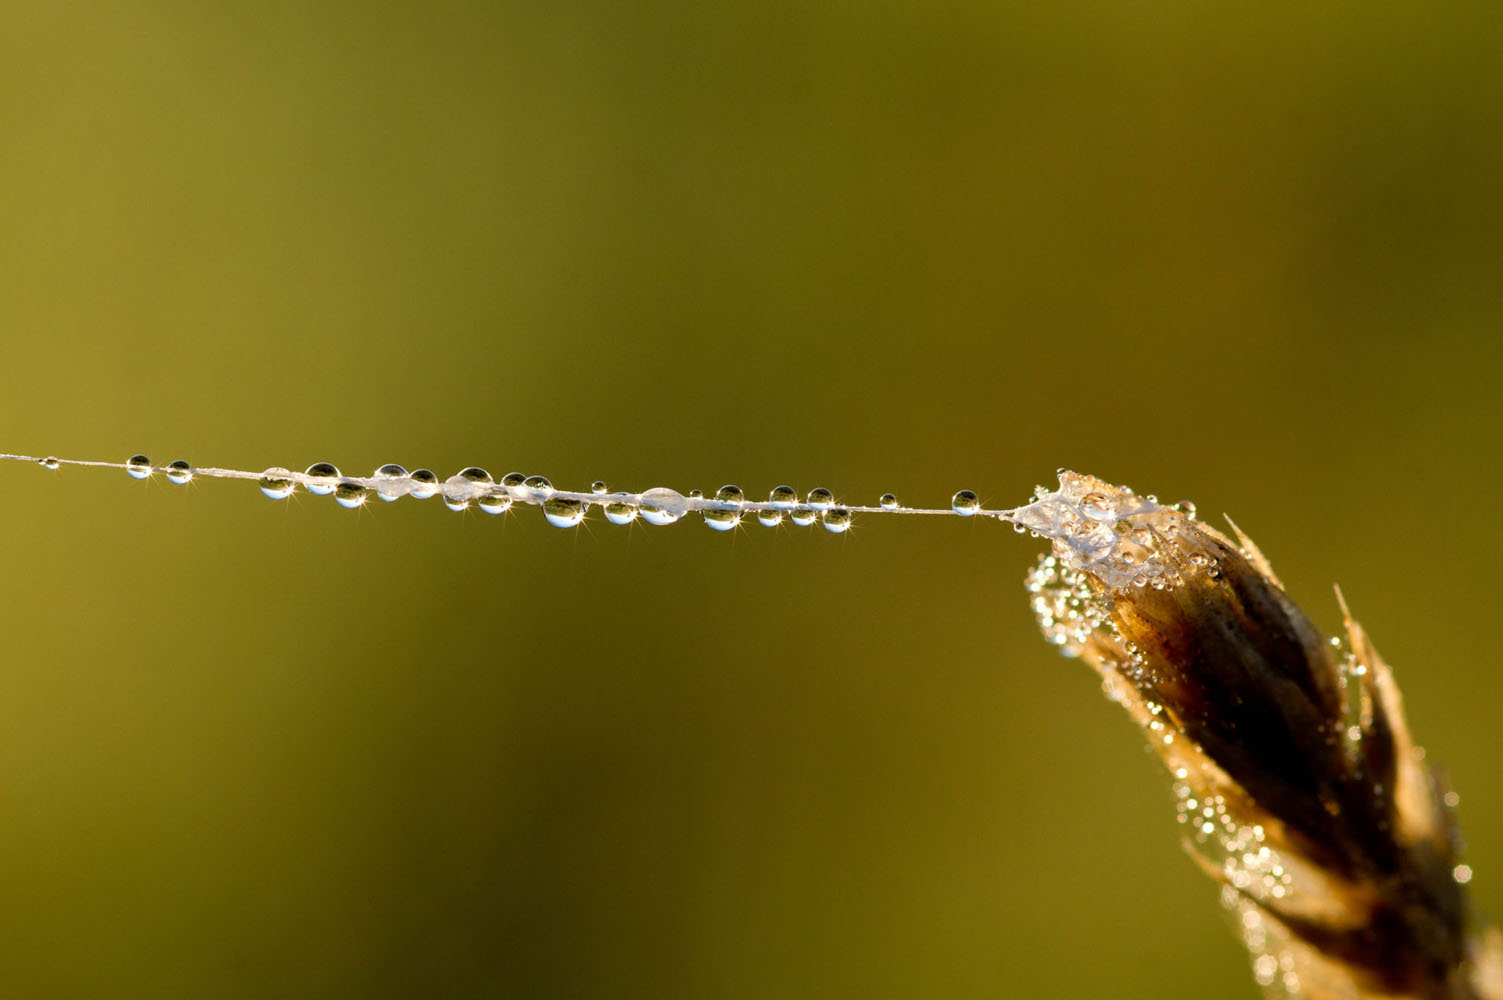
(1297, 782)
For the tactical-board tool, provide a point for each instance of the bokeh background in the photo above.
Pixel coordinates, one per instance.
(1245, 255)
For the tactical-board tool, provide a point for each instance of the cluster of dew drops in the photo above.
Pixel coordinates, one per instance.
(659, 506)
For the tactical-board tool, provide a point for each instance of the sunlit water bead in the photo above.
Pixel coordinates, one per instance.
(599, 488)
(277, 483)
(965, 503)
(538, 487)
(783, 497)
(769, 518)
(621, 512)
(803, 516)
(390, 482)
(495, 503)
(836, 520)
(888, 502)
(563, 512)
(820, 498)
(466, 485)
(512, 480)
(424, 484)
(179, 472)
(138, 467)
(725, 520)
(50, 464)
(350, 494)
(661, 505)
(323, 479)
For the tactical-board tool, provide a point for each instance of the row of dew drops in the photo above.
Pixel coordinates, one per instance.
(659, 506)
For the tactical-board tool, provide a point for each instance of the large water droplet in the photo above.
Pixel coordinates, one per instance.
(769, 518)
(138, 467)
(513, 479)
(563, 513)
(620, 512)
(802, 516)
(494, 503)
(476, 474)
(50, 464)
(836, 519)
(324, 478)
(391, 482)
(888, 502)
(277, 483)
(350, 494)
(179, 472)
(821, 498)
(965, 503)
(424, 484)
(783, 497)
(722, 520)
(662, 505)
(538, 486)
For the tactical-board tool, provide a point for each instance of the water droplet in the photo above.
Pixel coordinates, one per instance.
(476, 474)
(725, 520)
(599, 488)
(325, 477)
(179, 472)
(1186, 508)
(783, 497)
(730, 494)
(965, 503)
(391, 482)
(662, 505)
(277, 483)
(888, 502)
(1097, 506)
(456, 501)
(769, 518)
(513, 479)
(494, 503)
(1143, 537)
(424, 484)
(138, 467)
(620, 512)
(802, 516)
(539, 486)
(821, 498)
(50, 464)
(563, 513)
(696, 494)
(836, 520)
(350, 494)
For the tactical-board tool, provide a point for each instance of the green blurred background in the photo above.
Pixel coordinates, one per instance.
(1245, 255)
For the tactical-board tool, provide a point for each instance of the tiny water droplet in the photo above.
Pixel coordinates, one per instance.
(836, 520)
(769, 518)
(494, 503)
(390, 482)
(325, 476)
(350, 494)
(783, 497)
(662, 505)
(541, 488)
(1186, 508)
(888, 502)
(1143, 537)
(620, 512)
(965, 503)
(1097, 506)
(424, 484)
(562, 512)
(513, 479)
(277, 483)
(696, 494)
(138, 467)
(802, 516)
(599, 488)
(179, 472)
(50, 464)
(821, 498)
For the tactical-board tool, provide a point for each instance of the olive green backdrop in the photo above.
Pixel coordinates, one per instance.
(1245, 256)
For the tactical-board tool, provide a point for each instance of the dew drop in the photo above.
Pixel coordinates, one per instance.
(456, 502)
(802, 516)
(1186, 508)
(836, 520)
(562, 512)
(1143, 537)
(539, 486)
(1097, 506)
(350, 494)
(769, 518)
(424, 484)
(888, 502)
(662, 505)
(391, 481)
(783, 497)
(696, 494)
(475, 474)
(278, 484)
(179, 472)
(620, 512)
(50, 464)
(325, 478)
(725, 520)
(965, 503)
(729, 494)
(820, 498)
(138, 467)
(513, 479)
(599, 488)
(494, 503)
